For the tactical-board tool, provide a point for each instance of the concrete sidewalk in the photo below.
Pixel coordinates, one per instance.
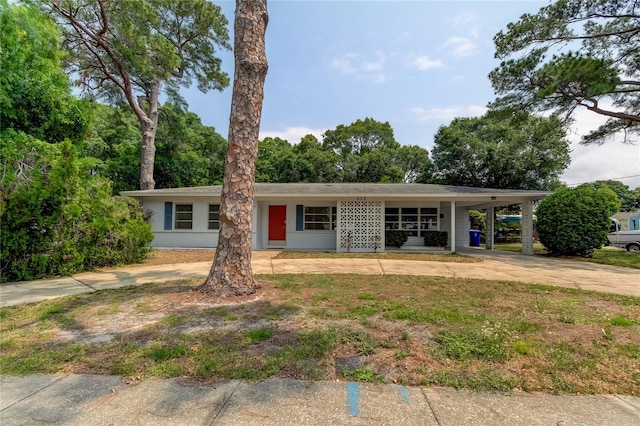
(107, 400)
(495, 266)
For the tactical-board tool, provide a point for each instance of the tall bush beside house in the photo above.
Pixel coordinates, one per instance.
(573, 222)
(58, 219)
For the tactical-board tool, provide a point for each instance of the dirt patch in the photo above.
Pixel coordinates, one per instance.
(162, 257)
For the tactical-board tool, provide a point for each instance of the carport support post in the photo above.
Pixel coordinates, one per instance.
(452, 236)
(489, 217)
(527, 227)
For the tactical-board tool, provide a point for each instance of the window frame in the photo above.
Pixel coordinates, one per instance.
(411, 219)
(331, 213)
(177, 220)
(215, 222)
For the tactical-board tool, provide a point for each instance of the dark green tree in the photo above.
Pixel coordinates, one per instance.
(188, 152)
(57, 218)
(314, 163)
(367, 151)
(132, 50)
(574, 54)
(35, 94)
(628, 200)
(610, 196)
(573, 222)
(275, 161)
(414, 163)
(360, 137)
(521, 152)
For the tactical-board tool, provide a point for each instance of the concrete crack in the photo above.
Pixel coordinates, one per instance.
(426, 398)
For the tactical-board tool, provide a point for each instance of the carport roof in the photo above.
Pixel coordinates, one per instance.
(348, 190)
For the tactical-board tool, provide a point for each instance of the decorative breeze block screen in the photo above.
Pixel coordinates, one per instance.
(360, 226)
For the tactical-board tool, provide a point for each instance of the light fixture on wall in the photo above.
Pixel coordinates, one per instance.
(494, 198)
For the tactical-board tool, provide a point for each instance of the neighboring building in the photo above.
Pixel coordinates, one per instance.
(333, 216)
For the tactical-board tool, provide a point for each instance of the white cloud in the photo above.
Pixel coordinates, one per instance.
(612, 160)
(293, 134)
(354, 64)
(449, 113)
(462, 19)
(343, 65)
(476, 110)
(461, 46)
(424, 63)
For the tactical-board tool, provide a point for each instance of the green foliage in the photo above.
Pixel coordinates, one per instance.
(517, 151)
(595, 48)
(368, 152)
(35, 94)
(58, 219)
(188, 153)
(573, 221)
(395, 238)
(436, 238)
(478, 221)
(627, 199)
(364, 151)
(172, 42)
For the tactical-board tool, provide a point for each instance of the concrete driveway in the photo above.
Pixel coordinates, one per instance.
(495, 266)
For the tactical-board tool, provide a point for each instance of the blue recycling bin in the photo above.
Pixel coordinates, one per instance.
(474, 237)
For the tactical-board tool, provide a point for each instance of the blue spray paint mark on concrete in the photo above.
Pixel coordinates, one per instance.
(404, 394)
(353, 391)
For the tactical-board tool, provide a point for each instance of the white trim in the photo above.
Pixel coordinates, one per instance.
(452, 236)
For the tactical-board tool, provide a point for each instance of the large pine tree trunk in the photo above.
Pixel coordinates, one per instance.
(149, 128)
(231, 272)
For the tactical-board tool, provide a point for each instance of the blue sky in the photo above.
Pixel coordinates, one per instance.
(415, 64)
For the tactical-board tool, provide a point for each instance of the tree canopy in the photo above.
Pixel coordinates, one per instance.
(523, 152)
(35, 93)
(574, 54)
(57, 214)
(627, 200)
(132, 49)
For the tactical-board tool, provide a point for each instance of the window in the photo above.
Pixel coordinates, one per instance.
(320, 218)
(214, 216)
(184, 216)
(428, 219)
(413, 220)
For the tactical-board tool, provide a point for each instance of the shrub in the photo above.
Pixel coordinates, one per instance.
(573, 222)
(57, 218)
(436, 238)
(395, 238)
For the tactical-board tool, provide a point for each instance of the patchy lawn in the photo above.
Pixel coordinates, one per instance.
(605, 256)
(475, 334)
(427, 257)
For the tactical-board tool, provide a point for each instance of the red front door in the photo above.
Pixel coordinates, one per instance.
(277, 223)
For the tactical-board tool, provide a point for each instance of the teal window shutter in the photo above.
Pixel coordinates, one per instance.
(168, 216)
(299, 217)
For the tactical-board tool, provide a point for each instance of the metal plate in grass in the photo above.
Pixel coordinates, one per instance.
(347, 364)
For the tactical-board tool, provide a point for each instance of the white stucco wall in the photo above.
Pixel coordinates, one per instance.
(201, 237)
(295, 240)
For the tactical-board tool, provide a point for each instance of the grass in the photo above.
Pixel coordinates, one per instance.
(604, 256)
(464, 333)
(427, 257)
